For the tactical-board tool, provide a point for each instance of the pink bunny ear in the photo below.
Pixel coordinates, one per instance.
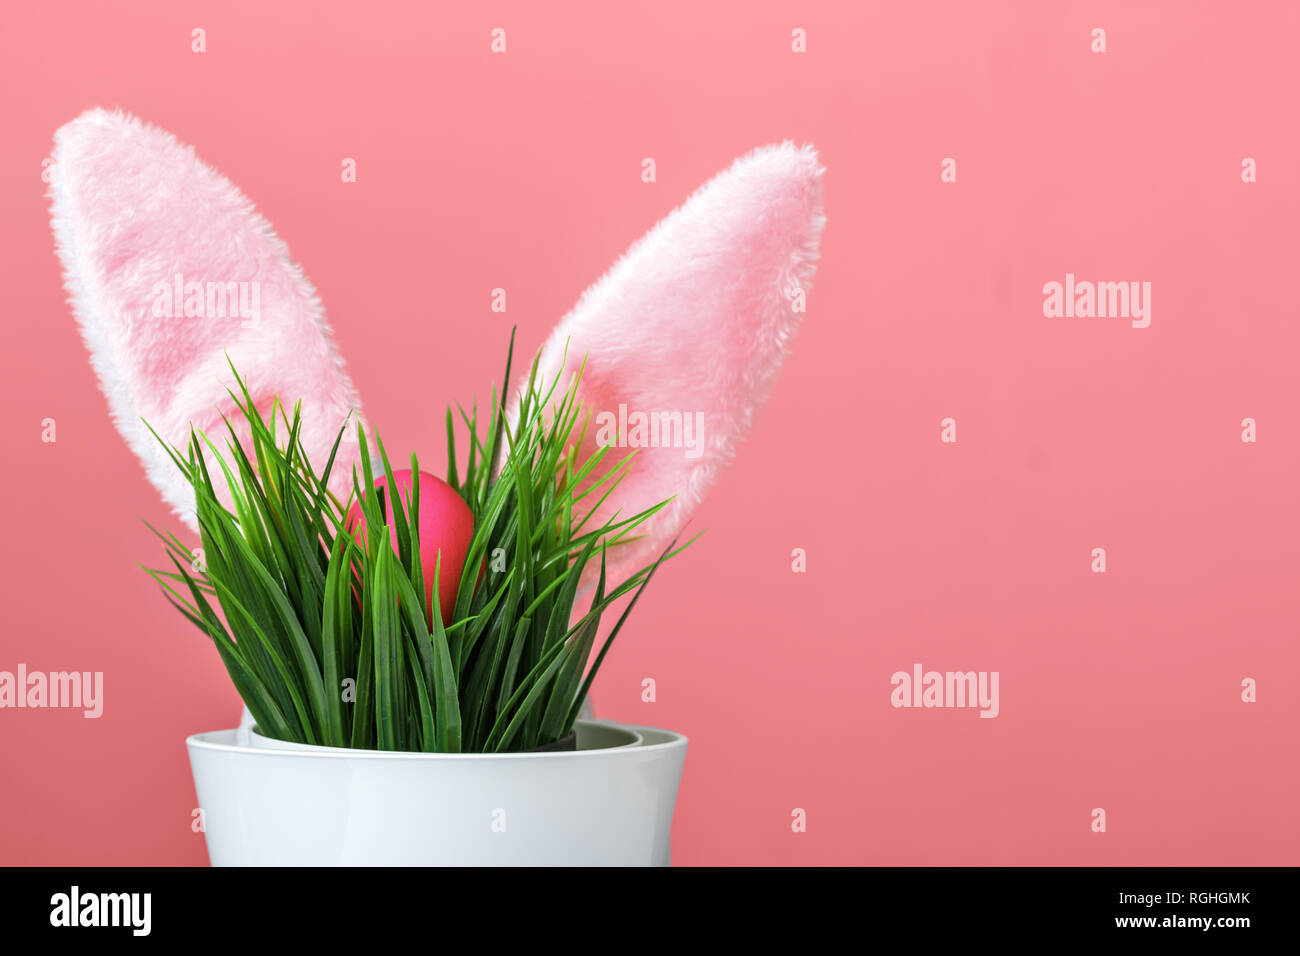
(684, 336)
(169, 270)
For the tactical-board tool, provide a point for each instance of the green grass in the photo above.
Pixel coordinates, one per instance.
(326, 634)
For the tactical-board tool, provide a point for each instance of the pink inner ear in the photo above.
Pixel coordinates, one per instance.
(691, 326)
(133, 209)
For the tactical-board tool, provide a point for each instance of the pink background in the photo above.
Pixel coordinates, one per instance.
(522, 171)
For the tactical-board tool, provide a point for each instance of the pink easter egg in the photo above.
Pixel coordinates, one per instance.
(446, 527)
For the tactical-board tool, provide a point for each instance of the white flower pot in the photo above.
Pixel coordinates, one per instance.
(270, 803)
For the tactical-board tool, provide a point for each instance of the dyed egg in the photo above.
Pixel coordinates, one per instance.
(446, 527)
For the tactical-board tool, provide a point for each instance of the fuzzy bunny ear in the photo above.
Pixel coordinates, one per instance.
(170, 270)
(684, 336)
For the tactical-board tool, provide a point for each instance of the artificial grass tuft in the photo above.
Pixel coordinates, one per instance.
(325, 633)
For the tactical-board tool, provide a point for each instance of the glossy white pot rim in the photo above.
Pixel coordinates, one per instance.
(653, 739)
